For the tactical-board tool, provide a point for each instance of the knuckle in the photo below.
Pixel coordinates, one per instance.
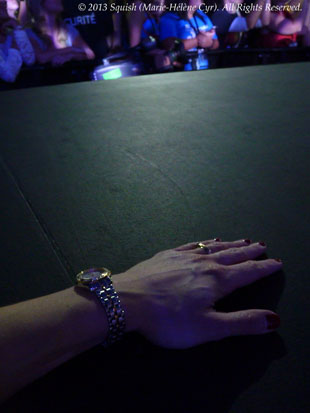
(195, 258)
(216, 270)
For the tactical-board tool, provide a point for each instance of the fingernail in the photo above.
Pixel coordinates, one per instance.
(248, 241)
(262, 244)
(273, 321)
(278, 259)
(217, 239)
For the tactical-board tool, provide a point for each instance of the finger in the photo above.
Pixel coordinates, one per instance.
(236, 255)
(220, 246)
(193, 245)
(240, 275)
(243, 323)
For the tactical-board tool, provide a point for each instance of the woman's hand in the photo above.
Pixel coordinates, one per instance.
(205, 39)
(170, 298)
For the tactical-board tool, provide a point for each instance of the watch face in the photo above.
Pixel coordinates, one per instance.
(91, 275)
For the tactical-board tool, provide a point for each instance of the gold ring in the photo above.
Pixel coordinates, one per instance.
(204, 247)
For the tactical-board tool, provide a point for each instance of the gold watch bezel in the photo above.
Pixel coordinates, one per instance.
(98, 274)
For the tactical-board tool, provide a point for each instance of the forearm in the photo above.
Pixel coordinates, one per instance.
(265, 16)
(190, 43)
(306, 22)
(215, 44)
(79, 56)
(135, 23)
(295, 25)
(40, 334)
(48, 55)
(260, 11)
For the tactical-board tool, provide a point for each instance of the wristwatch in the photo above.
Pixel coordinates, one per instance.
(98, 281)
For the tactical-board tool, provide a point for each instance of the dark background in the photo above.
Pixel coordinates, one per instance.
(109, 173)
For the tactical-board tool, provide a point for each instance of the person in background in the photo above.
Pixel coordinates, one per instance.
(232, 19)
(94, 25)
(193, 28)
(285, 25)
(15, 47)
(118, 39)
(21, 13)
(142, 22)
(306, 29)
(55, 41)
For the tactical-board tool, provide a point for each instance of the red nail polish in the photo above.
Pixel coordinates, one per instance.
(217, 239)
(273, 321)
(248, 241)
(278, 259)
(262, 243)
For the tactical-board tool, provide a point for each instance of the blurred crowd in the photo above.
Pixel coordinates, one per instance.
(181, 32)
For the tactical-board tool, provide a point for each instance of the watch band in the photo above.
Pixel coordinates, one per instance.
(116, 315)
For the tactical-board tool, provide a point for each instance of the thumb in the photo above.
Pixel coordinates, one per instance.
(245, 322)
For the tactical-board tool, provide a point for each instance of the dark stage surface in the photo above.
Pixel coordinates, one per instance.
(108, 173)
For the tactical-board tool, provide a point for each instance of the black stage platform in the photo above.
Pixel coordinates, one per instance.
(109, 173)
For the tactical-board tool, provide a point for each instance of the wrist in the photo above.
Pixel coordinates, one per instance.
(130, 300)
(89, 315)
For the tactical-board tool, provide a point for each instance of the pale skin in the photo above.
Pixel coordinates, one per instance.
(169, 299)
(57, 54)
(6, 20)
(279, 23)
(259, 11)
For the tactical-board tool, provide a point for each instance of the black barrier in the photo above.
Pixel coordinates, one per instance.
(78, 71)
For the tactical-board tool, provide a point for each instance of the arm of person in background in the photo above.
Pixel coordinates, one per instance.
(6, 22)
(168, 43)
(22, 13)
(169, 299)
(261, 12)
(306, 29)
(135, 23)
(287, 26)
(168, 33)
(47, 55)
(115, 39)
(207, 40)
(78, 51)
(295, 4)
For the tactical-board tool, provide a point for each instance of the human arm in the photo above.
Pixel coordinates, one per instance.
(50, 54)
(59, 56)
(204, 40)
(306, 29)
(6, 22)
(207, 40)
(46, 52)
(261, 11)
(114, 40)
(135, 23)
(81, 50)
(169, 299)
(283, 25)
(22, 13)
